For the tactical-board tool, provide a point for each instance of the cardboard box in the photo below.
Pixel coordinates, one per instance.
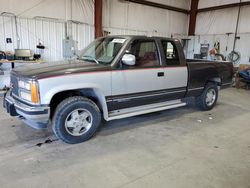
(244, 66)
(240, 83)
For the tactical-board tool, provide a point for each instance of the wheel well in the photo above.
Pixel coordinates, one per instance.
(59, 97)
(216, 80)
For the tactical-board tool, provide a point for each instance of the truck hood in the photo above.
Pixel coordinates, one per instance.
(44, 70)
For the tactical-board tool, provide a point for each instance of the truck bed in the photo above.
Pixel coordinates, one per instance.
(202, 71)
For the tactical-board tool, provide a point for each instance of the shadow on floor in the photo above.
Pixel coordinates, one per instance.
(25, 134)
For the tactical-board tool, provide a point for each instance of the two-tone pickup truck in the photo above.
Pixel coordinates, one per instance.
(115, 77)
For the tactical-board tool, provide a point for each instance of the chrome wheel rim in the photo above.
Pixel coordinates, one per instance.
(210, 97)
(78, 122)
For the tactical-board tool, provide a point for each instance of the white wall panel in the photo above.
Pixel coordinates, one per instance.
(7, 30)
(184, 4)
(50, 33)
(32, 27)
(224, 20)
(214, 25)
(242, 46)
(80, 10)
(83, 11)
(244, 22)
(152, 19)
(31, 31)
(212, 3)
(135, 17)
(119, 31)
(31, 8)
(83, 34)
(216, 22)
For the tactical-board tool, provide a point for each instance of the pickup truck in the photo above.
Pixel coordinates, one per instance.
(115, 77)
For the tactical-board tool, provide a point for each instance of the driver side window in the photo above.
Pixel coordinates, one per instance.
(145, 53)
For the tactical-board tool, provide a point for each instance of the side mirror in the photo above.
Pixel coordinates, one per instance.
(128, 59)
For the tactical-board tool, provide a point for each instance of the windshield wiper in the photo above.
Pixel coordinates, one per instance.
(90, 58)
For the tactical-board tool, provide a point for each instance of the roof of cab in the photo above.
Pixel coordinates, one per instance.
(140, 37)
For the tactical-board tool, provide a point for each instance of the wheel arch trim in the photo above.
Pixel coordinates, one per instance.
(98, 95)
(217, 80)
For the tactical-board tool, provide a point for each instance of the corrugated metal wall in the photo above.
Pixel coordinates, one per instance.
(120, 31)
(121, 17)
(83, 34)
(211, 3)
(32, 31)
(213, 26)
(79, 10)
(49, 32)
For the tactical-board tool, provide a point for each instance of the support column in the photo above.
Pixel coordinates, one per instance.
(192, 18)
(98, 18)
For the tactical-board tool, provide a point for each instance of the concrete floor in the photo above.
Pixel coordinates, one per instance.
(176, 148)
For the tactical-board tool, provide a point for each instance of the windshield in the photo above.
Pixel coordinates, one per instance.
(102, 51)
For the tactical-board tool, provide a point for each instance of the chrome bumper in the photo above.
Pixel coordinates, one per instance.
(35, 116)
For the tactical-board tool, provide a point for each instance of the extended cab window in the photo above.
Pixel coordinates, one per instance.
(145, 53)
(170, 53)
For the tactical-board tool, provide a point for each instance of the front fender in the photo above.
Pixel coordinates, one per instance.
(99, 83)
(97, 93)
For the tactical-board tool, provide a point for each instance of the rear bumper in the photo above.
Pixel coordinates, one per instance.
(226, 85)
(34, 116)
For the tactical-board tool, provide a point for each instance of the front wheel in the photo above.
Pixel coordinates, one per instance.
(76, 120)
(207, 100)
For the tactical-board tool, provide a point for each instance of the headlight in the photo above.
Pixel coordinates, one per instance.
(25, 95)
(24, 85)
(28, 90)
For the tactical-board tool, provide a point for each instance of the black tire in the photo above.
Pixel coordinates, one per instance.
(66, 109)
(201, 100)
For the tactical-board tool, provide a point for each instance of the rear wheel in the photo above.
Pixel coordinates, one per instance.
(207, 100)
(76, 120)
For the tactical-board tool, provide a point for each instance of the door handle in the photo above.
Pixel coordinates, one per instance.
(160, 74)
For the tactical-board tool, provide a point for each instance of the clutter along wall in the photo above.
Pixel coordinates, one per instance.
(123, 17)
(220, 26)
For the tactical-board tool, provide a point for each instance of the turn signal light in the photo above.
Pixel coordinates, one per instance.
(34, 93)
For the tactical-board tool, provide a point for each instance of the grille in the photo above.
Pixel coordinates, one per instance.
(14, 82)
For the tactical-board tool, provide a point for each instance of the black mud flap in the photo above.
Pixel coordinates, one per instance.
(10, 108)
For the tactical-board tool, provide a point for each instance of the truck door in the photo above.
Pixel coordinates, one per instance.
(175, 69)
(142, 83)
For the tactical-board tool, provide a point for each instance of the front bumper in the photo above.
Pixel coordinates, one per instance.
(34, 116)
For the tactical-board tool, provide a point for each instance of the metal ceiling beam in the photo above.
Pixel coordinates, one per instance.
(223, 6)
(158, 5)
(192, 17)
(98, 18)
